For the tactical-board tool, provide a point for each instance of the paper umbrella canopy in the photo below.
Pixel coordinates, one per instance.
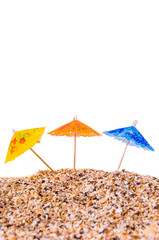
(131, 136)
(24, 140)
(74, 129)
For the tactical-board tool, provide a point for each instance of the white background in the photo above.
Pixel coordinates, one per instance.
(98, 60)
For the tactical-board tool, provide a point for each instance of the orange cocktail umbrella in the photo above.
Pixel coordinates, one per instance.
(74, 129)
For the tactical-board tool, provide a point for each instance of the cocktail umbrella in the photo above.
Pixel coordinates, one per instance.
(131, 136)
(74, 129)
(24, 140)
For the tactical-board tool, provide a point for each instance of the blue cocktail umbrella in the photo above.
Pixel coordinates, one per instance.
(131, 136)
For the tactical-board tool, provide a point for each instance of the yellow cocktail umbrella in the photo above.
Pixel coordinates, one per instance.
(74, 129)
(24, 140)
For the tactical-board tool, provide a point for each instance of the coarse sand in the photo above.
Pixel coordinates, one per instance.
(79, 204)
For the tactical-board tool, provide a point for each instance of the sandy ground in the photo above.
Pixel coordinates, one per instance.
(80, 204)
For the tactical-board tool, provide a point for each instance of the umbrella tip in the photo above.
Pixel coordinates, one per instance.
(134, 123)
(13, 131)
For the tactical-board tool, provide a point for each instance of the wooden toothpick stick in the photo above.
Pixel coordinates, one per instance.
(133, 124)
(74, 165)
(41, 159)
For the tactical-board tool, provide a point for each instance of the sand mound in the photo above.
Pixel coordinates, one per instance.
(81, 204)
